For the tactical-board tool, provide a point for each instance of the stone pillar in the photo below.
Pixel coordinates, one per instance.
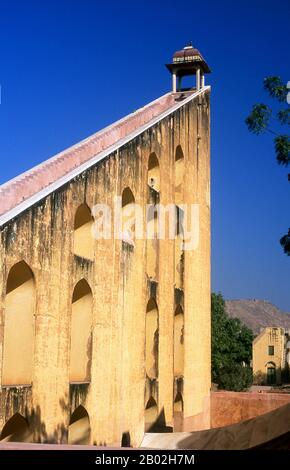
(197, 327)
(198, 79)
(174, 82)
(202, 80)
(166, 291)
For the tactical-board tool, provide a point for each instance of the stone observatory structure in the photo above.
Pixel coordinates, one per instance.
(105, 333)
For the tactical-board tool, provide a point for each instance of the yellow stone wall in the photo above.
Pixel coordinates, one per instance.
(261, 359)
(116, 391)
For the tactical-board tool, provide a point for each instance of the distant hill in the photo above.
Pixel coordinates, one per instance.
(257, 314)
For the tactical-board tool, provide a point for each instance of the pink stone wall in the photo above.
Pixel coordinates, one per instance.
(232, 407)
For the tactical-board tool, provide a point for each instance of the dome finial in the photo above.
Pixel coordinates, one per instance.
(189, 45)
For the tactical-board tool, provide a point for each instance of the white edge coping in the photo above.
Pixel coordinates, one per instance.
(80, 142)
(30, 201)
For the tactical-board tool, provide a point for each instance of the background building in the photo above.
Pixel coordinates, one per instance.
(271, 356)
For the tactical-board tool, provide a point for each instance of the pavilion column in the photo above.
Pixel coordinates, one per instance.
(174, 82)
(198, 79)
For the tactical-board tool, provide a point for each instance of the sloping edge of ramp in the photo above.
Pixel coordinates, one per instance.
(253, 433)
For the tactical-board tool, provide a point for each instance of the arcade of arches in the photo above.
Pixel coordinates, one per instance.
(100, 349)
(21, 296)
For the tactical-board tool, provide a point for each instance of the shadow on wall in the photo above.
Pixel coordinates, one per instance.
(16, 429)
(31, 428)
(126, 440)
(154, 422)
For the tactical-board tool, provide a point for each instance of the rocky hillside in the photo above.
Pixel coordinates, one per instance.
(257, 314)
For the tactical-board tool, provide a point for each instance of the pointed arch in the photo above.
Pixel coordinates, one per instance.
(18, 346)
(81, 333)
(178, 357)
(79, 431)
(152, 339)
(178, 403)
(178, 175)
(151, 414)
(128, 216)
(16, 430)
(152, 244)
(153, 172)
(126, 439)
(178, 413)
(83, 238)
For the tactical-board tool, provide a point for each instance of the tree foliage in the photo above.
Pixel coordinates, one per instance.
(231, 349)
(260, 120)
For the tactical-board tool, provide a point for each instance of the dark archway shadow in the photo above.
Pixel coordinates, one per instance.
(79, 427)
(126, 439)
(159, 425)
(16, 430)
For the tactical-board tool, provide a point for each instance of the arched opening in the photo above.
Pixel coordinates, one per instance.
(178, 413)
(152, 340)
(151, 414)
(126, 440)
(152, 243)
(179, 262)
(79, 431)
(153, 172)
(178, 403)
(19, 326)
(83, 238)
(81, 333)
(16, 430)
(271, 373)
(128, 216)
(179, 250)
(178, 342)
(178, 175)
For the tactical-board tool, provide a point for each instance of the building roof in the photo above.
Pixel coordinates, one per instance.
(186, 60)
(187, 53)
(28, 188)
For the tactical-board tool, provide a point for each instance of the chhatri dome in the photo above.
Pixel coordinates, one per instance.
(188, 61)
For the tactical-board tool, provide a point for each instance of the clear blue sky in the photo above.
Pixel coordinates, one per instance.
(70, 67)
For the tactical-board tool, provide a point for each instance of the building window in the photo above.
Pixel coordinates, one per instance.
(271, 350)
